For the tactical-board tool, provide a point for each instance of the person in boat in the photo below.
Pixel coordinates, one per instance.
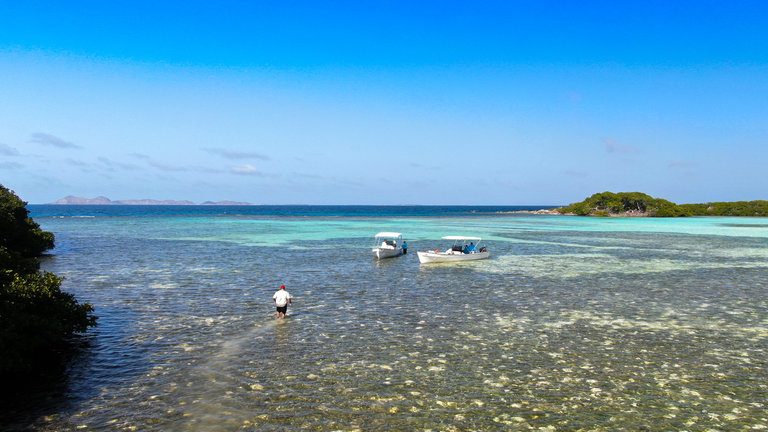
(282, 299)
(405, 247)
(470, 248)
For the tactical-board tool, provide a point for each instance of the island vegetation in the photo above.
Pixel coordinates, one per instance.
(641, 204)
(37, 319)
(736, 208)
(624, 204)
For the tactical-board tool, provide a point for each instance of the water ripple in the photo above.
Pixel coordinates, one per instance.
(563, 329)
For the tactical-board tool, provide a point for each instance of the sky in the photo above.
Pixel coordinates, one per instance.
(384, 102)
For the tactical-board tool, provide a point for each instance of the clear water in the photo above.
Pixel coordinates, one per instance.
(600, 324)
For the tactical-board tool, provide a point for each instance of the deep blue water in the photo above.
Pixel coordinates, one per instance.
(49, 210)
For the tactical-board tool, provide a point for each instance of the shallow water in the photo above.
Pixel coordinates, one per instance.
(601, 324)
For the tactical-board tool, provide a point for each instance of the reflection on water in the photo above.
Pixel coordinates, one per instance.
(562, 329)
(744, 225)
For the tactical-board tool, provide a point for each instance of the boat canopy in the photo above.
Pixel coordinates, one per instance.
(386, 234)
(461, 238)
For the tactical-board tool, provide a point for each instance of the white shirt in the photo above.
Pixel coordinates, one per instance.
(281, 298)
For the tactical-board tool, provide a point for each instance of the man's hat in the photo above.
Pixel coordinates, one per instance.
(282, 286)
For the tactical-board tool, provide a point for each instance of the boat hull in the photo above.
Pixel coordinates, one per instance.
(382, 253)
(432, 257)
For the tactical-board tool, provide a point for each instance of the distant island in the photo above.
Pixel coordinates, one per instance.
(638, 204)
(100, 200)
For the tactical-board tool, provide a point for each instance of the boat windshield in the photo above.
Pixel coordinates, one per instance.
(390, 235)
(387, 239)
(467, 245)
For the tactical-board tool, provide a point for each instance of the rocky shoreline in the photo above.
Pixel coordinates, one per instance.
(630, 213)
(536, 212)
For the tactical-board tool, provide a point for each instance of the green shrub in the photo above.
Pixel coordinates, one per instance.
(37, 319)
(736, 208)
(581, 209)
(664, 208)
(610, 203)
(18, 232)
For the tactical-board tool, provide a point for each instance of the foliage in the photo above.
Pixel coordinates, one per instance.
(737, 208)
(21, 239)
(640, 204)
(36, 317)
(625, 203)
(666, 208)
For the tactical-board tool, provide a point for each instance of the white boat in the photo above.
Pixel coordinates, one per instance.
(463, 249)
(387, 245)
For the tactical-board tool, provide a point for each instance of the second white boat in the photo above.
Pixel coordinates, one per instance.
(463, 249)
(387, 245)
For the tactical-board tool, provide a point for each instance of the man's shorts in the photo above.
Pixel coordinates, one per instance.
(282, 309)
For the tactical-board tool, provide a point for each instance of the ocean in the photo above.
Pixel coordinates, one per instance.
(573, 323)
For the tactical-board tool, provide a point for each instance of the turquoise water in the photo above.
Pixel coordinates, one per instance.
(574, 323)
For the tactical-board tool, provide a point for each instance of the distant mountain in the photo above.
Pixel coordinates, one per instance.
(79, 200)
(229, 203)
(152, 202)
(106, 201)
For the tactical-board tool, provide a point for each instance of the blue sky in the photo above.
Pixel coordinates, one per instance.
(513, 102)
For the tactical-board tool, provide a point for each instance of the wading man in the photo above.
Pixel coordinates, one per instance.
(282, 299)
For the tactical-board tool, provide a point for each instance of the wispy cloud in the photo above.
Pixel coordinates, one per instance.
(308, 176)
(52, 141)
(82, 166)
(328, 180)
(115, 165)
(157, 164)
(574, 96)
(246, 169)
(10, 165)
(7, 150)
(346, 182)
(77, 163)
(162, 166)
(577, 174)
(236, 154)
(419, 166)
(613, 146)
(680, 164)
